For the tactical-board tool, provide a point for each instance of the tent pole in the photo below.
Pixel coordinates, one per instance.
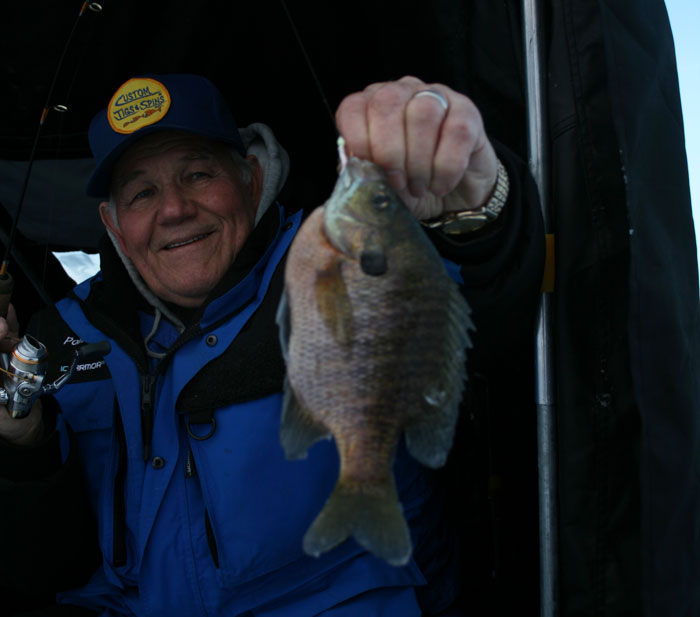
(538, 159)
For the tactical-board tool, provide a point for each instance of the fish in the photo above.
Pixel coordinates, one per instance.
(374, 334)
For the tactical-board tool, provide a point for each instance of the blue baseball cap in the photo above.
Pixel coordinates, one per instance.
(151, 103)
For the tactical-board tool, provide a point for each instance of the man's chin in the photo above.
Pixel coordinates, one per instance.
(186, 295)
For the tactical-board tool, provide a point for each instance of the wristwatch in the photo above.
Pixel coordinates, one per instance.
(467, 221)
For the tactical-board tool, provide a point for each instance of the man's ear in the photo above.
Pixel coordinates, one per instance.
(255, 185)
(107, 215)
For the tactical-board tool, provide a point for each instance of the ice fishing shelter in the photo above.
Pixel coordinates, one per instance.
(626, 322)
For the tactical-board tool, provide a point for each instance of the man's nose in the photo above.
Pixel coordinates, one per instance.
(175, 205)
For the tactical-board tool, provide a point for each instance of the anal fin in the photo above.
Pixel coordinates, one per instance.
(298, 428)
(429, 438)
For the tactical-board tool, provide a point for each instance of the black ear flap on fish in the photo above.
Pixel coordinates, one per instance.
(373, 255)
(298, 429)
(373, 262)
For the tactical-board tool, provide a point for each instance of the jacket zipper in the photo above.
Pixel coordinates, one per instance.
(189, 464)
(119, 500)
(147, 382)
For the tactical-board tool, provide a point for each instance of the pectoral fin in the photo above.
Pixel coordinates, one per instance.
(333, 302)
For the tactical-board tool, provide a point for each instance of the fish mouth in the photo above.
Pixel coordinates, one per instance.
(354, 174)
(186, 241)
(359, 170)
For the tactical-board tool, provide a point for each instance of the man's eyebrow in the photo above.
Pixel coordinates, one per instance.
(197, 155)
(124, 179)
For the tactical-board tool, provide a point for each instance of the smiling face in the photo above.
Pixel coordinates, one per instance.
(183, 212)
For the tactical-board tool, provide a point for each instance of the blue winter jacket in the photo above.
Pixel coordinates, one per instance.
(199, 512)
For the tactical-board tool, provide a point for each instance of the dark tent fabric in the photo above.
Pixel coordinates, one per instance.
(626, 301)
(627, 310)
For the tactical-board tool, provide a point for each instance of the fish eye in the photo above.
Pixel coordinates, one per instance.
(380, 201)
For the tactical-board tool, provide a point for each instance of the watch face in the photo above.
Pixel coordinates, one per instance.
(467, 224)
(466, 221)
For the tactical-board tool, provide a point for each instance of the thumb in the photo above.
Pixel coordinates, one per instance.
(9, 328)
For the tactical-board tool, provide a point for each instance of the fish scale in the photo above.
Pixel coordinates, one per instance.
(374, 334)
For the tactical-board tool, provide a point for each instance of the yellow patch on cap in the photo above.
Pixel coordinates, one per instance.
(138, 103)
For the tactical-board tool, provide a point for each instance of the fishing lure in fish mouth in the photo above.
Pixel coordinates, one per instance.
(374, 334)
(342, 154)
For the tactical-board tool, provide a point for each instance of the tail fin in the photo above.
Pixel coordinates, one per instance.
(375, 520)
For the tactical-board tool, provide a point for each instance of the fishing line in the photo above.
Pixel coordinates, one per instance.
(10, 373)
(6, 283)
(309, 64)
(95, 7)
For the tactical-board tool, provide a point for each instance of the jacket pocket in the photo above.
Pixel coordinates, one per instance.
(93, 414)
(259, 505)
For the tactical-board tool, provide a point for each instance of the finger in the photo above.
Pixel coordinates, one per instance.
(7, 338)
(372, 124)
(9, 330)
(351, 121)
(425, 114)
(462, 136)
(12, 321)
(387, 132)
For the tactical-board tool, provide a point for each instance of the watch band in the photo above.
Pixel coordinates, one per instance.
(466, 221)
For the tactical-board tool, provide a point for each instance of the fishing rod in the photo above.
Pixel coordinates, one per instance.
(6, 280)
(24, 369)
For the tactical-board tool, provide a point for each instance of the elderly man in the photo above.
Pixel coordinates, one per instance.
(175, 435)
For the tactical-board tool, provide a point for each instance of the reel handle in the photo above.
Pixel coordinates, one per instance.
(93, 350)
